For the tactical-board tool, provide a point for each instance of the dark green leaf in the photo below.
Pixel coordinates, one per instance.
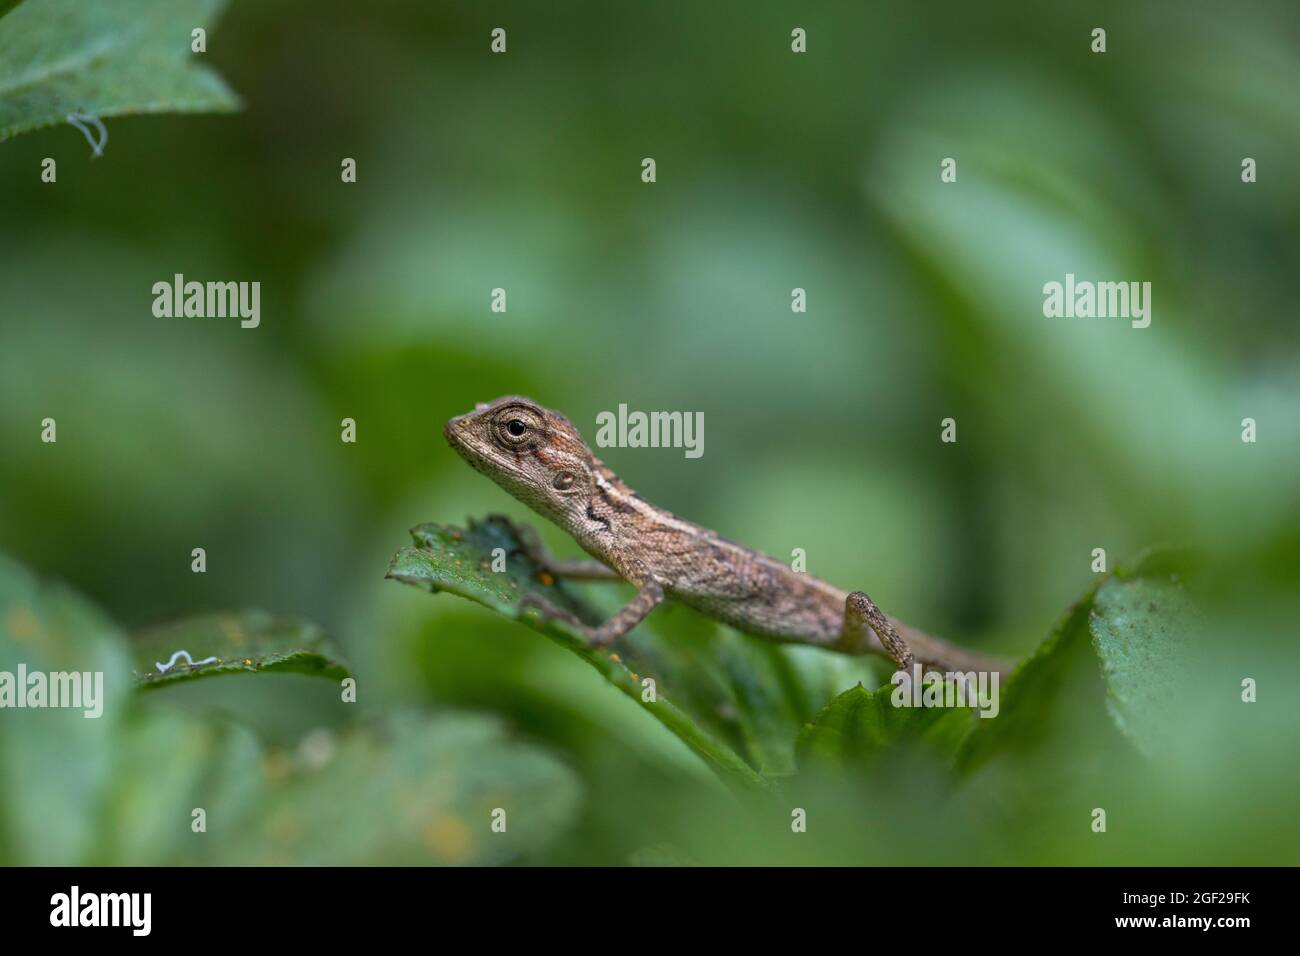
(859, 726)
(460, 562)
(754, 694)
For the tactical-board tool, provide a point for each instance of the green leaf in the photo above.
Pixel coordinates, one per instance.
(7, 5)
(104, 59)
(1053, 699)
(54, 762)
(412, 790)
(240, 641)
(754, 694)
(169, 763)
(1035, 705)
(460, 562)
(860, 727)
(1143, 630)
(407, 790)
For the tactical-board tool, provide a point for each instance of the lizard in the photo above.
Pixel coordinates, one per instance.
(541, 459)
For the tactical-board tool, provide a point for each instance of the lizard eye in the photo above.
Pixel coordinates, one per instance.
(515, 427)
(563, 481)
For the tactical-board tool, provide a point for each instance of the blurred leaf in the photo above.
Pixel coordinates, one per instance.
(414, 790)
(860, 726)
(449, 559)
(1143, 630)
(55, 762)
(1051, 184)
(1033, 696)
(1055, 694)
(7, 5)
(90, 488)
(241, 641)
(106, 59)
(661, 854)
(169, 764)
(409, 790)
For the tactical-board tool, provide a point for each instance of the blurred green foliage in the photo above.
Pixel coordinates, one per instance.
(774, 171)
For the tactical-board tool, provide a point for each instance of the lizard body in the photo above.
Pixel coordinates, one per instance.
(538, 456)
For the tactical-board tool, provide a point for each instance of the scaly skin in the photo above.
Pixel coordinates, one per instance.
(540, 458)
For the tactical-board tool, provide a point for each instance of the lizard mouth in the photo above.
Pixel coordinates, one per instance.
(454, 432)
(457, 432)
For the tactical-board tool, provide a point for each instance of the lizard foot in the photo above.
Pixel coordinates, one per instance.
(548, 611)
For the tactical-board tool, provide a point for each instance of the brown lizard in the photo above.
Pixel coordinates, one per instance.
(538, 456)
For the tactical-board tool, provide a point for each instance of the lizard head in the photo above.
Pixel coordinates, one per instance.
(530, 451)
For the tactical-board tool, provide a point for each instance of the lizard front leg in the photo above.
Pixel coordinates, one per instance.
(861, 613)
(579, 569)
(632, 614)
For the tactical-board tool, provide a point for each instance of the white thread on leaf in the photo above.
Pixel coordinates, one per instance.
(79, 120)
(164, 668)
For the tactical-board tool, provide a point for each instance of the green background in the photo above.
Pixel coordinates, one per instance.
(775, 171)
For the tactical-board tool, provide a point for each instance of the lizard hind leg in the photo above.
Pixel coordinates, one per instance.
(861, 617)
